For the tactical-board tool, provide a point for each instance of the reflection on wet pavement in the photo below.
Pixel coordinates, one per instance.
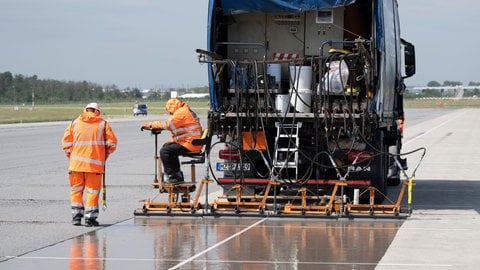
(84, 252)
(220, 243)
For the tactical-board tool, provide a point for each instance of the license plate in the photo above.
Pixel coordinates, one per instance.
(233, 167)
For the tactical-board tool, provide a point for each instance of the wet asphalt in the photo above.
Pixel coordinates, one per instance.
(441, 233)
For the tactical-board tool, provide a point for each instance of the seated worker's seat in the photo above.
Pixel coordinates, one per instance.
(198, 157)
(179, 198)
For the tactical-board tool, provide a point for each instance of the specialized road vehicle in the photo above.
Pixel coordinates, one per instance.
(306, 102)
(307, 92)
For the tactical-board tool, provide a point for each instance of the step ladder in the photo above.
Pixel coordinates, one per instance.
(287, 145)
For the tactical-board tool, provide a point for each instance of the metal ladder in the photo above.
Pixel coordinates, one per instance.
(287, 145)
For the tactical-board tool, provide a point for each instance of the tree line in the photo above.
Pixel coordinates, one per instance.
(450, 83)
(475, 92)
(21, 89)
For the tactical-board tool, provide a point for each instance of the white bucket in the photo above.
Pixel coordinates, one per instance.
(301, 77)
(356, 196)
(276, 71)
(281, 103)
(301, 100)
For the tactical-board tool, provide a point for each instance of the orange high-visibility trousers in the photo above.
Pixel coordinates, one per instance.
(92, 183)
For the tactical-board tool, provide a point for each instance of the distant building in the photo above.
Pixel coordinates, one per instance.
(145, 93)
(193, 95)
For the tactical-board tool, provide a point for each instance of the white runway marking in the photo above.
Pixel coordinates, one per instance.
(413, 265)
(434, 128)
(219, 243)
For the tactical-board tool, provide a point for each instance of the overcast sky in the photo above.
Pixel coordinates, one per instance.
(151, 43)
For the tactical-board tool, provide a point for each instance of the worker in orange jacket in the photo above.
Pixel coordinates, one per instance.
(87, 141)
(185, 127)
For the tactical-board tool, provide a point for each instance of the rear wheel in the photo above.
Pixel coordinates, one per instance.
(379, 179)
(393, 177)
(393, 181)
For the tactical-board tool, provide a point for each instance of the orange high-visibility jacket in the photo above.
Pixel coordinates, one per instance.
(184, 125)
(87, 142)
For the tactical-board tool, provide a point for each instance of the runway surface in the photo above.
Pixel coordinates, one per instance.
(441, 233)
(226, 243)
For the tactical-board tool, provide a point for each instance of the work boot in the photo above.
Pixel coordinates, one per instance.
(91, 222)
(176, 178)
(77, 220)
(166, 178)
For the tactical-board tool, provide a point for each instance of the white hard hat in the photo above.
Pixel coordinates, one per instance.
(93, 105)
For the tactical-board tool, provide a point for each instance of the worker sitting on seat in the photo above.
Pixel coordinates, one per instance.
(185, 127)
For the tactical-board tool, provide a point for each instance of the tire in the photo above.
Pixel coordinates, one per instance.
(379, 181)
(393, 169)
(393, 181)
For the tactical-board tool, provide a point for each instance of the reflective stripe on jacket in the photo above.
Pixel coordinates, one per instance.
(88, 141)
(185, 127)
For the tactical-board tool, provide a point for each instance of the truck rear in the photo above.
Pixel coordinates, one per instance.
(306, 94)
